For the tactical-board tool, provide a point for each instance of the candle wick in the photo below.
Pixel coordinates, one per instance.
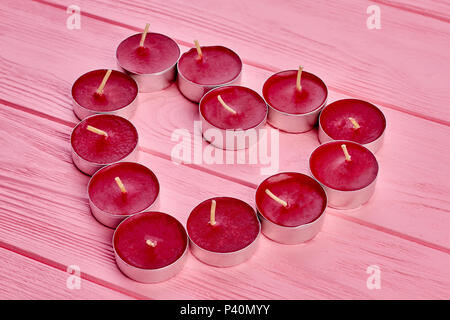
(103, 83)
(347, 155)
(299, 78)
(97, 131)
(199, 50)
(274, 197)
(144, 35)
(151, 243)
(227, 107)
(355, 123)
(120, 185)
(212, 219)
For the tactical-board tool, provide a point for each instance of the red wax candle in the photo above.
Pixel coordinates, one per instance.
(249, 107)
(280, 92)
(235, 225)
(197, 74)
(149, 241)
(304, 199)
(330, 166)
(352, 119)
(218, 65)
(119, 92)
(158, 54)
(235, 110)
(140, 189)
(102, 139)
(294, 102)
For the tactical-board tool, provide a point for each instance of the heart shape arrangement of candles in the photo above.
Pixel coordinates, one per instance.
(151, 246)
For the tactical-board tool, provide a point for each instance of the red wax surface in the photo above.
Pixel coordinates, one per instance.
(236, 225)
(168, 233)
(218, 65)
(329, 166)
(306, 199)
(121, 141)
(120, 90)
(280, 92)
(334, 120)
(250, 108)
(158, 54)
(140, 182)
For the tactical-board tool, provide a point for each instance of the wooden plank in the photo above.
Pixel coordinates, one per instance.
(44, 211)
(329, 38)
(402, 188)
(23, 278)
(435, 9)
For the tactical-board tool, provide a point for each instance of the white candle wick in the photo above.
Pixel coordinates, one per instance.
(227, 107)
(120, 185)
(199, 50)
(97, 131)
(212, 217)
(103, 83)
(355, 123)
(144, 35)
(299, 78)
(151, 243)
(347, 155)
(274, 197)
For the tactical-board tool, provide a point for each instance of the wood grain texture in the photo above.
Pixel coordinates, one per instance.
(22, 279)
(330, 38)
(404, 185)
(43, 205)
(436, 9)
(44, 210)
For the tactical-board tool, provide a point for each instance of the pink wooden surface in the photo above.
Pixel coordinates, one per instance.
(45, 220)
(25, 278)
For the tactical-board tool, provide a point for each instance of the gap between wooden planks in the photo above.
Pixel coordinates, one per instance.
(411, 212)
(44, 211)
(329, 37)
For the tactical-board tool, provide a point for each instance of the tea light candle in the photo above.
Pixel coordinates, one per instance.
(104, 91)
(235, 109)
(150, 247)
(354, 120)
(291, 207)
(347, 170)
(223, 231)
(203, 68)
(120, 190)
(150, 58)
(103, 139)
(295, 99)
